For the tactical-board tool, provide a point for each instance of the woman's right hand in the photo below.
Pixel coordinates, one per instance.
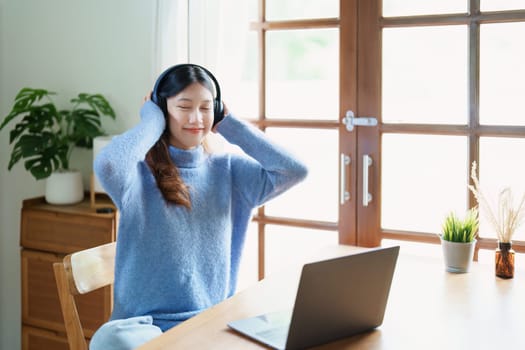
(147, 97)
(150, 108)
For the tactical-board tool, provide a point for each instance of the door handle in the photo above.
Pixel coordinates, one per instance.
(344, 194)
(367, 163)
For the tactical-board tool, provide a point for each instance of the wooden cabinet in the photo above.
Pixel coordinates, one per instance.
(39, 339)
(48, 233)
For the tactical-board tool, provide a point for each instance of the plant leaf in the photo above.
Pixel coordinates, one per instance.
(43, 153)
(23, 101)
(86, 126)
(97, 102)
(39, 118)
(458, 230)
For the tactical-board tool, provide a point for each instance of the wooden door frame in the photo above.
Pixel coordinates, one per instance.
(368, 93)
(348, 74)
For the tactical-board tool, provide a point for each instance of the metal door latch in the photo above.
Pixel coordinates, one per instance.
(350, 120)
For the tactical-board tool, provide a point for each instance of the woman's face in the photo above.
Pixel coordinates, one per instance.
(190, 116)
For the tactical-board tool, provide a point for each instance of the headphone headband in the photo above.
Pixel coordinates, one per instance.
(218, 110)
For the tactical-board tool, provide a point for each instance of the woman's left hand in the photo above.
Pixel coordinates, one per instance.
(226, 111)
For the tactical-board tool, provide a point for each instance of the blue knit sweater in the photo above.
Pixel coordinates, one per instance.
(174, 262)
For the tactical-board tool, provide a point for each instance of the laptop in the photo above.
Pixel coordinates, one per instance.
(335, 299)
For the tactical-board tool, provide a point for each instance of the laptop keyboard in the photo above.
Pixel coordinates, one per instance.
(278, 334)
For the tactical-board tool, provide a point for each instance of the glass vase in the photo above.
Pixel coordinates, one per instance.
(505, 260)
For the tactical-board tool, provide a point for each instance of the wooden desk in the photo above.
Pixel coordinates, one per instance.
(428, 308)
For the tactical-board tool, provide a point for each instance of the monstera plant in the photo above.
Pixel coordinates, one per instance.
(45, 136)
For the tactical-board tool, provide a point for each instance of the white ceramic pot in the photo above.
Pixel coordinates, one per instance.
(458, 256)
(64, 187)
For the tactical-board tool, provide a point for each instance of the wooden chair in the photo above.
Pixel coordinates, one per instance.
(80, 273)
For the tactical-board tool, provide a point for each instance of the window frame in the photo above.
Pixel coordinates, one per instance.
(474, 18)
(262, 26)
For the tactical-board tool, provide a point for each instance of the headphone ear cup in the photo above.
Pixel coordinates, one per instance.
(218, 111)
(155, 98)
(162, 103)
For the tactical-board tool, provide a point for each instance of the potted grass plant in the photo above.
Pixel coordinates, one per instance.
(458, 240)
(43, 136)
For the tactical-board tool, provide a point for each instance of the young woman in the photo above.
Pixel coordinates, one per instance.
(183, 211)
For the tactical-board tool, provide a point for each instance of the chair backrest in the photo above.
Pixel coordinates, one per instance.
(80, 273)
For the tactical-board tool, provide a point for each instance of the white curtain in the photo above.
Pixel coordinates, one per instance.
(215, 34)
(171, 34)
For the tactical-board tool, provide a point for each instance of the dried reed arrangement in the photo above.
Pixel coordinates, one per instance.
(504, 218)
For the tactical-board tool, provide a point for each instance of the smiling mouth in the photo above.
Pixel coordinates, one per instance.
(194, 130)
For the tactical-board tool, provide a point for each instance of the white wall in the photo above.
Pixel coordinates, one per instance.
(67, 46)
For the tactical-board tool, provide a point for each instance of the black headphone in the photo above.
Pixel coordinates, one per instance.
(218, 109)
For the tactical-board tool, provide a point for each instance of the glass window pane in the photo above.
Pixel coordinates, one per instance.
(237, 73)
(502, 73)
(253, 8)
(280, 241)
(316, 197)
(302, 74)
(301, 9)
(501, 165)
(499, 5)
(424, 177)
(427, 7)
(425, 75)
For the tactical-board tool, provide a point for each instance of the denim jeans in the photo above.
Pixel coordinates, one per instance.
(126, 334)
